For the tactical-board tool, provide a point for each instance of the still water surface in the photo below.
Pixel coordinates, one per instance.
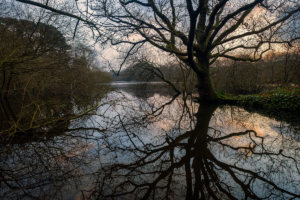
(144, 143)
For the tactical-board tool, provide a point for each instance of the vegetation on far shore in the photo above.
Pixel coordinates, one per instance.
(278, 99)
(43, 78)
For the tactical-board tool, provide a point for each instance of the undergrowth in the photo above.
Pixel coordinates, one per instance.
(279, 99)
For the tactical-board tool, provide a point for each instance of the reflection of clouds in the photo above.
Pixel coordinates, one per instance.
(133, 109)
(238, 120)
(256, 10)
(171, 120)
(79, 151)
(163, 125)
(174, 112)
(232, 120)
(226, 120)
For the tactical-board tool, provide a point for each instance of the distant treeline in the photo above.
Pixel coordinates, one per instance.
(229, 76)
(248, 78)
(144, 71)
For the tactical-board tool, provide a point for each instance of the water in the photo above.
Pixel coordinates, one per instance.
(144, 143)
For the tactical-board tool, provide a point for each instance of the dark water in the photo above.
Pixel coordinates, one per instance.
(144, 143)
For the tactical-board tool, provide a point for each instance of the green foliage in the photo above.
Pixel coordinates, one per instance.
(279, 99)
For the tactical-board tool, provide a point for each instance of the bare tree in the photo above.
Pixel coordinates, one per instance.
(40, 76)
(197, 32)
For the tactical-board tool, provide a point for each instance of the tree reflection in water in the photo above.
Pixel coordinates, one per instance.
(157, 148)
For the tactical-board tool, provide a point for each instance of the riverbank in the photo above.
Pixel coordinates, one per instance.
(279, 99)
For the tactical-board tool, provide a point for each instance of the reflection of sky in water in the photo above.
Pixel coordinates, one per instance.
(226, 120)
(128, 122)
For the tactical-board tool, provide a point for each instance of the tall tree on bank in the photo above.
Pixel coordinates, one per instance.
(198, 32)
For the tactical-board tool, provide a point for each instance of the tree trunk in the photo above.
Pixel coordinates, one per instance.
(205, 87)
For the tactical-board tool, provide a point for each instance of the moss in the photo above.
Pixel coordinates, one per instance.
(170, 46)
(220, 99)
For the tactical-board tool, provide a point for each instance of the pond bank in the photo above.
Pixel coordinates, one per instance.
(279, 99)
